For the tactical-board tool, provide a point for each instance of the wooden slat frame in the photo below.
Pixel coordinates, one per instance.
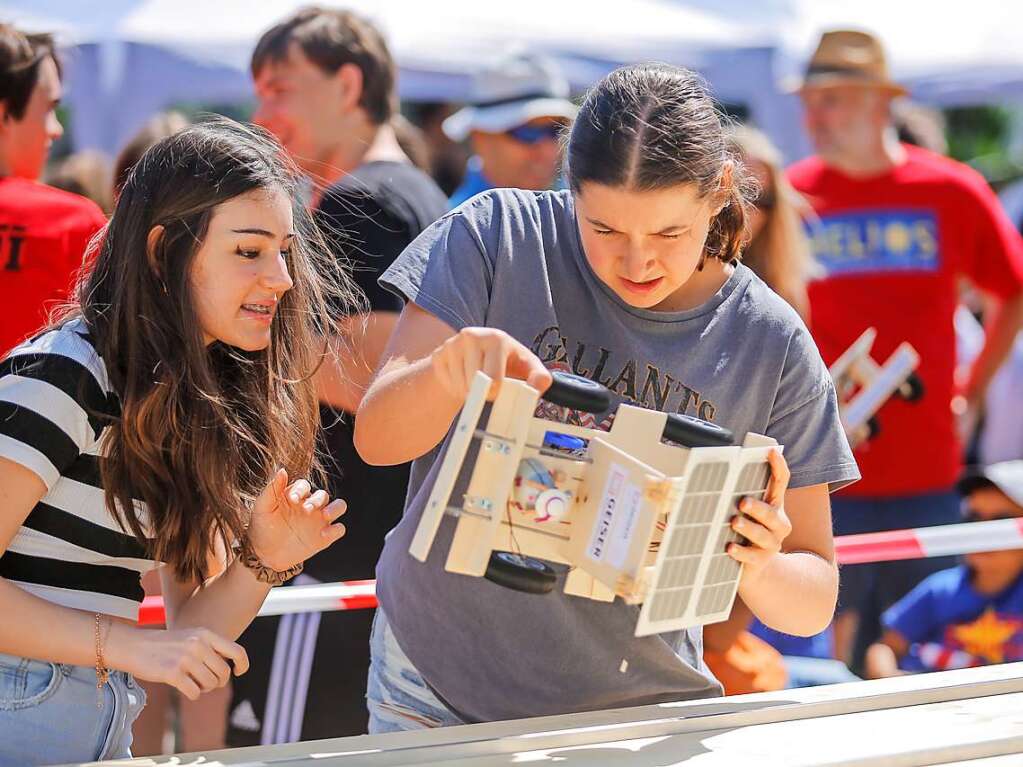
(440, 496)
(492, 478)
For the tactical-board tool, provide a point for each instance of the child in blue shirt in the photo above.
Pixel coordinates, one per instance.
(970, 615)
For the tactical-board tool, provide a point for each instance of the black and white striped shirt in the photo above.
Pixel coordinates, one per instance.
(54, 394)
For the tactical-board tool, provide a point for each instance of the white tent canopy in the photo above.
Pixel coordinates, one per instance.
(162, 52)
(130, 58)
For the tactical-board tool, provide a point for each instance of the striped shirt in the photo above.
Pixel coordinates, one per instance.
(55, 397)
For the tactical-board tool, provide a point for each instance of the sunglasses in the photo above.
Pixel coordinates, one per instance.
(534, 134)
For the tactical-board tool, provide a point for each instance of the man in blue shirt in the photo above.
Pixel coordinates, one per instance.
(519, 107)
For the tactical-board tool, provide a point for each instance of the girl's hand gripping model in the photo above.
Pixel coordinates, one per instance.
(764, 524)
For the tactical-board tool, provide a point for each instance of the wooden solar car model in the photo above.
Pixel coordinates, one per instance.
(641, 512)
(863, 386)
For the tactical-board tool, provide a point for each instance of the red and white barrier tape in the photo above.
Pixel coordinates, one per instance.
(320, 597)
(891, 545)
(940, 541)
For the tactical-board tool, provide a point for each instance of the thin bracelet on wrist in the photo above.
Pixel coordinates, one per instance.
(102, 672)
(264, 574)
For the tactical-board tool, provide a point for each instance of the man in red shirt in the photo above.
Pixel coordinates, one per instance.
(899, 226)
(43, 231)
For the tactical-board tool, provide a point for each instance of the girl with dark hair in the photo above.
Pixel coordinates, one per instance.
(158, 423)
(632, 278)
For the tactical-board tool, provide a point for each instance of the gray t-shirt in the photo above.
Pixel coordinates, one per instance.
(513, 260)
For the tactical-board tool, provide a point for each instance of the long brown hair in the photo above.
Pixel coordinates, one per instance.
(780, 253)
(654, 126)
(201, 429)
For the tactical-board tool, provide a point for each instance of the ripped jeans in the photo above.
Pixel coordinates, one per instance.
(397, 697)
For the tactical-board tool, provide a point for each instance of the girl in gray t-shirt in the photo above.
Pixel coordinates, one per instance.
(631, 278)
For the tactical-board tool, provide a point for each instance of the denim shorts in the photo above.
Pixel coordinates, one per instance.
(397, 697)
(48, 713)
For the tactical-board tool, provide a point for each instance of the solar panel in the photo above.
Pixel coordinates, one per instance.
(684, 543)
(694, 580)
(723, 572)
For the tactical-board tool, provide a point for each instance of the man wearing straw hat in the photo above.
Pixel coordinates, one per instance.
(899, 226)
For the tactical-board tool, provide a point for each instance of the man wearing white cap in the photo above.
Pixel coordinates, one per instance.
(519, 107)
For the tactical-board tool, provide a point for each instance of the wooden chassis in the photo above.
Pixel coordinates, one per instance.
(873, 384)
(652, 472)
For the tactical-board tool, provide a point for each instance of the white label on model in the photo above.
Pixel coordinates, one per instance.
(606, 512)
(626, 516)
(616, 518)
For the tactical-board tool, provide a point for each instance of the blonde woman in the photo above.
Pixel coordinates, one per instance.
(779, 250)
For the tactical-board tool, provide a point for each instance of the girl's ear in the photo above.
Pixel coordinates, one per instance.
(723, 195)
(152, 243)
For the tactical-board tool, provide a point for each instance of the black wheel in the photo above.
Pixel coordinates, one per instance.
(693, 432)
(520, 573)
(578, 393)
(912, 389)
(873, 427)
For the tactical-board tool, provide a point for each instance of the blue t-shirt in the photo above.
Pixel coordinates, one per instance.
(475, 181)
(472, 184)
(949, 625)
(817, 646)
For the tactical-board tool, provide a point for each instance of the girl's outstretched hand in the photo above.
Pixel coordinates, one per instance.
(764, 524)
(292, 522)
(457, 360)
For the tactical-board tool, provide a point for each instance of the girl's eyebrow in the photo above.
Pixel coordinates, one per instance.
(261, 233)
(666, 230)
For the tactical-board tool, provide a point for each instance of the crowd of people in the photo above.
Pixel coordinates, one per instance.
(247, 324)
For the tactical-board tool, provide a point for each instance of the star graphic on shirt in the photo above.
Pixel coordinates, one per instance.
(986, 637)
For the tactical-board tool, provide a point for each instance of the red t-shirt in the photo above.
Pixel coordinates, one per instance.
(892, 247)
(43, 235)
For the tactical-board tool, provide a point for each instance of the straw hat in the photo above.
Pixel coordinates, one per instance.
(849, 57)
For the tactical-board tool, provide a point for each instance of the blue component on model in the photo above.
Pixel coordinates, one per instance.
(563, 441)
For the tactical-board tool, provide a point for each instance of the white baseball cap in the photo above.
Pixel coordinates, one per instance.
(1007, 476)
(511, 92)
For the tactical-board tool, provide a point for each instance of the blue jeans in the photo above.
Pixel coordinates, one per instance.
(397, 697)
(48, 713)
